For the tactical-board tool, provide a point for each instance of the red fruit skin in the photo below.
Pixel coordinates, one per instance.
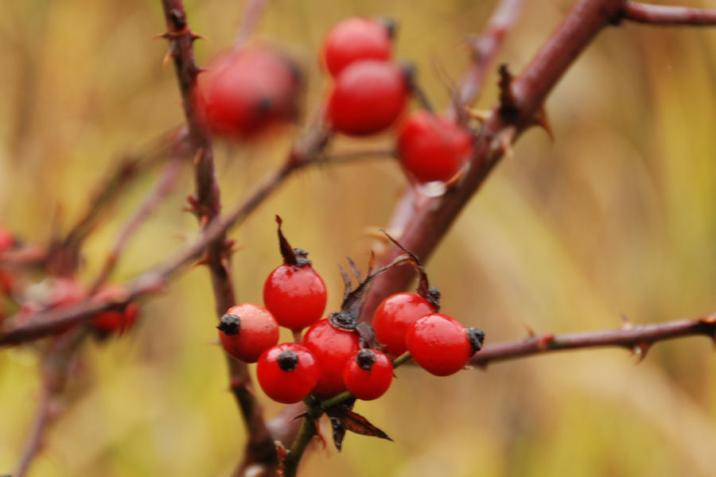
(395, 315)
(369, 384)
(244, 93)
(295, 295)
(114, 321)
(332, 347)
(258, 332)
(353, 40)
(54, 294)
(433, 148)
(367, 97)
(7, 240)
(287, 386)
(439, 344)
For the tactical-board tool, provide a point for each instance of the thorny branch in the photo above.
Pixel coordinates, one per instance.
(635, 338)
(260, 450)
(421, 222)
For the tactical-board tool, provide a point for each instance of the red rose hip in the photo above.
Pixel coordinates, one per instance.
(442, 345)
(246, 331)
(115, 320)
(367, 97)
(368, 375)
(395, 315)
(433, 148)
(245, 92)
(293, 292)
(357, 39)
(287, 373)
(333, 347)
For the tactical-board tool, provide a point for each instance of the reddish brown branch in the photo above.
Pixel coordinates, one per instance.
(64, 253)
(634, 338)
(207, 206)
(662, 15)
(45, 323)
(161, 189)
(428, 219)
(56, 364)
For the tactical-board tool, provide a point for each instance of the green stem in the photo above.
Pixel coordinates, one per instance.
(308, 426)
(305, 434)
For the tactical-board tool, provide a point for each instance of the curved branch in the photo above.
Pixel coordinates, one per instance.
(425, 221)
(663, 15)
(635, 338)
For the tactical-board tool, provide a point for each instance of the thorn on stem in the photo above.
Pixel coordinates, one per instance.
(508, 105)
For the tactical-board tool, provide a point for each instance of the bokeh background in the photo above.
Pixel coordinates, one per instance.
(615, 217)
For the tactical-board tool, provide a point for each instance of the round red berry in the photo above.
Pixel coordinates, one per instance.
(442, 345)
(295, 295)
(395, 315)
(333, 347)
(357, 39)
(246, 331)
(245, 92)
(287, 373)
(367, 97)
(368, 375)
(433, 148)
(116, 320)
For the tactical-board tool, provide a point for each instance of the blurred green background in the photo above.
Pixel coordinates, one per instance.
(616, 216)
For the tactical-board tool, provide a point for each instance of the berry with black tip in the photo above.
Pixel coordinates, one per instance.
(287, 373)
(294, 292)
(442, 345)
(333, 345)
(368, 375)
(246, 331)
(246, 92)
(395, 315)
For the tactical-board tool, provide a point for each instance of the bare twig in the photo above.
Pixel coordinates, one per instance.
(663, 15)
(161, 189)
(637, 339)
(64, 253)
(252, 15)
(55, 368)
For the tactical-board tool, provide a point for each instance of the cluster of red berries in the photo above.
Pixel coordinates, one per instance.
(250, 90)
(334, 355)
(60, 292)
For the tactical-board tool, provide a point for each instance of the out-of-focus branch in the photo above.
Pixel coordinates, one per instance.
(484, 49)
(259, 450)
(55, 368)
(424, 221)
(252, 14)
(637, 339)
(63, 254)
(663, 15)
(45, 323)
(161, 189)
